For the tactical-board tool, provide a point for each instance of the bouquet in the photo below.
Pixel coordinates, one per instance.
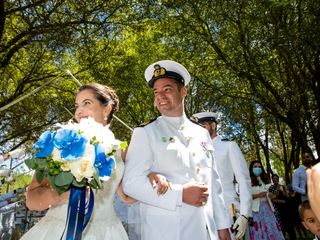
(75, 157)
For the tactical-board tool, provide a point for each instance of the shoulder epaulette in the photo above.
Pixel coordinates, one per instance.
(147, 122)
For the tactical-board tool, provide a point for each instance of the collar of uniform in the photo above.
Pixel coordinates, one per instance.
(177, 122)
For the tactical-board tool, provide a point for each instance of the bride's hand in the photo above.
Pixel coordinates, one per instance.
(161, 181)
(65, 196)
(40, 196)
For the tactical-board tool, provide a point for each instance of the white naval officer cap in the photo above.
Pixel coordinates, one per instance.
(167, 69)
(205, 117)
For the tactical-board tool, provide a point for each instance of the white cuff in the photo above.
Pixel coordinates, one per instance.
(179, 189)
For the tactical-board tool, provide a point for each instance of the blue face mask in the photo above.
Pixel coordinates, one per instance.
(257, 171)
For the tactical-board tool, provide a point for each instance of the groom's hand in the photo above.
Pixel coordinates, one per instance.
(195, 194)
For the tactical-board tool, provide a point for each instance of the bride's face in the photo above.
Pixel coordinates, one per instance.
(87, 105)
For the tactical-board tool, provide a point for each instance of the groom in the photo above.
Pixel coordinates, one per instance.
(181, 151)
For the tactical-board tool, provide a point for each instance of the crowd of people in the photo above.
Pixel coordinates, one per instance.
(177, 178)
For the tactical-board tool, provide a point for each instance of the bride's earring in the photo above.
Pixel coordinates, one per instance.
(106, 117)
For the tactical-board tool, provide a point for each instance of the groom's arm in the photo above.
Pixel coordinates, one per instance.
(136, 183)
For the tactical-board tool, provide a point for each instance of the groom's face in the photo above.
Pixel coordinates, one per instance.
(168, 97)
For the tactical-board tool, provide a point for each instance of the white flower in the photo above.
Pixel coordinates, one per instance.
(56, 155)
(66, 166)
(82, 168)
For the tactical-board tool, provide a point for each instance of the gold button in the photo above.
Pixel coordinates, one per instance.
(198, 170)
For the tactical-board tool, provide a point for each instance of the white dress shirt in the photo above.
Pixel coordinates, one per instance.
(299, 181)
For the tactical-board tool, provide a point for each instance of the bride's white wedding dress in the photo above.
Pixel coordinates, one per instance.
(104, 223)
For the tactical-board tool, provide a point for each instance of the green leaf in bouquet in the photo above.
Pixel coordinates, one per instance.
(30, 163)
(61, 189)
(94, 141)
(41, 162)
(111, 153)
(40, 175)
(54, 167)
(51, 180)
(80, 131)
(79, 184)
(98, 183)
(58, 189)
(63, 179)
(93, 184)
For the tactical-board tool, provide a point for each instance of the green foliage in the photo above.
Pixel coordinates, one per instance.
(63, 179)
(94, 141)
(96, 183)
(249, 62)
(255, 62)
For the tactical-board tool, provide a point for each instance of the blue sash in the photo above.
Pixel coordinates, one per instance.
(77, 218)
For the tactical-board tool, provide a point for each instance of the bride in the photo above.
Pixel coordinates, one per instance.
(99, 102)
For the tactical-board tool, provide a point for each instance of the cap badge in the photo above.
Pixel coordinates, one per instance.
(194, 118)
(158, 70)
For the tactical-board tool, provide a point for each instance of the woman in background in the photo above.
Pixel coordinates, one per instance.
(280, 203)
(265, 224)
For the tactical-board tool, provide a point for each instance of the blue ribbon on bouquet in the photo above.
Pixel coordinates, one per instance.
(77, 218)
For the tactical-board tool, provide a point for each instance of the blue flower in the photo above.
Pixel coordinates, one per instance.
(44, 145)
(70, 143)
(103, 164)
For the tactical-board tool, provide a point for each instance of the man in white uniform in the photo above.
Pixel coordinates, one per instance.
(173, 146)
(230, 162)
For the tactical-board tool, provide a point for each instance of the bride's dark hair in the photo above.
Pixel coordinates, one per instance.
(105, 95)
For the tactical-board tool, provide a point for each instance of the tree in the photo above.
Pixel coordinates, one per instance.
(260, 54)
(256, 62)
(38, 40)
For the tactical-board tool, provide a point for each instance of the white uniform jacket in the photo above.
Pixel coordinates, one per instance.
(182, 152)
(230, 162)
